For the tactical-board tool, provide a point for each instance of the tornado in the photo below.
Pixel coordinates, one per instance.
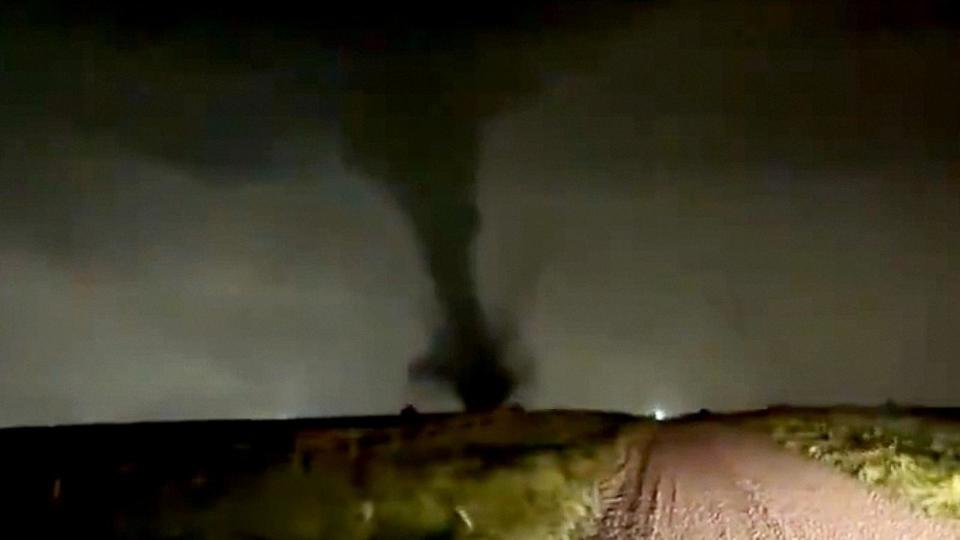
(415, 100)
(412, 120)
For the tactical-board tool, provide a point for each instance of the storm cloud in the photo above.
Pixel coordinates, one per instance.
(732, 205)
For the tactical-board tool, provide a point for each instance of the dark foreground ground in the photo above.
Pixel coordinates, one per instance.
(506, 475)
(509, 474)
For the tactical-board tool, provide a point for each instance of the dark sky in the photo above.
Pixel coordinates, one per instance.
(683, 204)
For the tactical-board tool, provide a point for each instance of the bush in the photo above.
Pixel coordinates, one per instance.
(912, 460)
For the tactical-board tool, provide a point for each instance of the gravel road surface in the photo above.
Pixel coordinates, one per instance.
(716, 482)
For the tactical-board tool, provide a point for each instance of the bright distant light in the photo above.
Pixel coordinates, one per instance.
(659, 414)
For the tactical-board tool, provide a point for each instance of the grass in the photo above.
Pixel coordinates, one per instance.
(914, 459)
(496, 482)
(548, 495)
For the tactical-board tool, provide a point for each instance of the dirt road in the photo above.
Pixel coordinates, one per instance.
(713, 482)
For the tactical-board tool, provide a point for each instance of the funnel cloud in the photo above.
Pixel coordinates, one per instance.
(416, 102)
(413, 120)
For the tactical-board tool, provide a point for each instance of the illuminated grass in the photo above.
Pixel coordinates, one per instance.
(450, 485)
(910, 458)
(548, 496)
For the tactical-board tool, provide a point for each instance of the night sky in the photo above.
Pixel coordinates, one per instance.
(677, 204)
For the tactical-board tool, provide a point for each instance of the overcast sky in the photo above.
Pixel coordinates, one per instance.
(718, 204)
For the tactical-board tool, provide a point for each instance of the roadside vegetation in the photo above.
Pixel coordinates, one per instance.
(517, 477)
(918, 460)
